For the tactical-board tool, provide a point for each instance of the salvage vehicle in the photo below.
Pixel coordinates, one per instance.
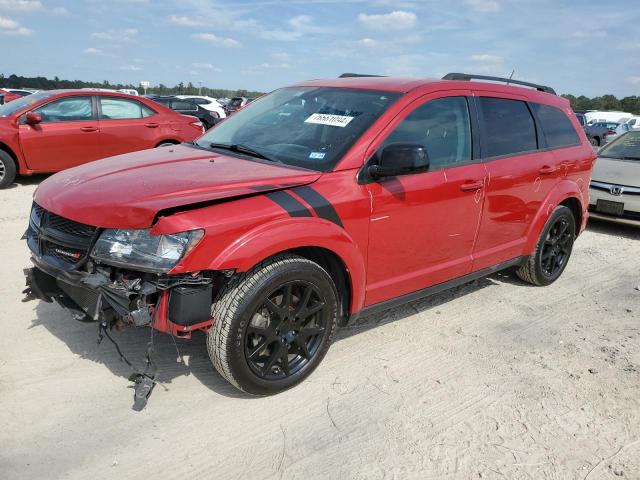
(598, 133)
(57, 129)
(310, 207)
(615, 187)
(208, 103)
(188, 106)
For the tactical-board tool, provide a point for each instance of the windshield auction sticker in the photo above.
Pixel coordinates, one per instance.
(326, 119)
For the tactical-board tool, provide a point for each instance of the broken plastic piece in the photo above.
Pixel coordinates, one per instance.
(143, 386)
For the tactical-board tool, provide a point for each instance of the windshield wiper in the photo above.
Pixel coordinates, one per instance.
(242, 149)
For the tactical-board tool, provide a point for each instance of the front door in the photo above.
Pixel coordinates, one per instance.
(68, 135)
(423, 226)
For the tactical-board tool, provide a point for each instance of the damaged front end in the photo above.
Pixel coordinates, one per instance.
(118, 278)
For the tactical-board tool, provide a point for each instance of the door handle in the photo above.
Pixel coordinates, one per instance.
(546, 170)
(151, 125)
(472, 186)
(89, 129)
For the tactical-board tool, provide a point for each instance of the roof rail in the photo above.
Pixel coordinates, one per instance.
(350, 75)
(470, 76)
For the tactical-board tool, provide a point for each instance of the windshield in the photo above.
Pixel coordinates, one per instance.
(306, 127)
(626, 147)
(23, 102)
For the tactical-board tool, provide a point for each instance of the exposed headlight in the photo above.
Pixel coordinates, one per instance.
(138, 249)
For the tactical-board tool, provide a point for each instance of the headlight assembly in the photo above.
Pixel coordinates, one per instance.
(138, 249)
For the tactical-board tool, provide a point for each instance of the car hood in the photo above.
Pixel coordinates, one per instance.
(619, 172)
(128, 191)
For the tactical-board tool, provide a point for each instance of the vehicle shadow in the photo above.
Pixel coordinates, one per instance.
(30, 180)
(81, 339)
(614, 229)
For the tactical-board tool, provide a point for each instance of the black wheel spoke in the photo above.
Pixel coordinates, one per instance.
(294, 327)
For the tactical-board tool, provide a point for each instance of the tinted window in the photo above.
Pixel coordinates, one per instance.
(508, 127)
(119, 108)
(557, 128)
(68, 109)
(182, 105)
(442, 126)
(200, 101)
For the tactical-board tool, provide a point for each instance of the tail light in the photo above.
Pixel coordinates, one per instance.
(198, 124)
(610, 132)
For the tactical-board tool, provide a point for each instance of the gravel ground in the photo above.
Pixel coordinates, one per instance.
(494, 379)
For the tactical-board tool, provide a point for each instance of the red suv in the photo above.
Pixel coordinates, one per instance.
(313, 205)
(53, 130)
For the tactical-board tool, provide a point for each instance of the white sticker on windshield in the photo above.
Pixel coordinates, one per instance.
(327, 119)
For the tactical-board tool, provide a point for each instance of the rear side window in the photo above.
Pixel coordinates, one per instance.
(557, 128)
(119, 109)
(508, 127)
(182, 105)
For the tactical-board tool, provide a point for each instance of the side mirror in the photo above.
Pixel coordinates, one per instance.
(33, 118)
(400, 159)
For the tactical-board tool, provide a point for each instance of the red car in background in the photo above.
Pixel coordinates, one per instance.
(7, 96)
(53, 130)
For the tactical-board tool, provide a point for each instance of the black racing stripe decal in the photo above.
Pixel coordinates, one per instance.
(321, 205)
(262, 188)
(289, 203)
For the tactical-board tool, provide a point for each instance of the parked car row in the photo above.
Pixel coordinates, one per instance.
(53, 130)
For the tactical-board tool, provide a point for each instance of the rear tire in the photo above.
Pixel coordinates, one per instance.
(553, 250)
(7, 169)
(594, 141)
(273, 324)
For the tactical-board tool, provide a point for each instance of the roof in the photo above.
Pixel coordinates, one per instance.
(388, 84)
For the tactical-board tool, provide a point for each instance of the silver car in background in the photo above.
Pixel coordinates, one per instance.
(615, 184)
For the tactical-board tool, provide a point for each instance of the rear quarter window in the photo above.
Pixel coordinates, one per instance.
(557, 128)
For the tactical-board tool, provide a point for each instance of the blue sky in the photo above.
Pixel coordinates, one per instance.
(582, 47)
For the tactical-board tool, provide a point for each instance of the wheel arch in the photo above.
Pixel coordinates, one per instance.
(315, 239)
(167, 140)
(567, 193)
(9, 151)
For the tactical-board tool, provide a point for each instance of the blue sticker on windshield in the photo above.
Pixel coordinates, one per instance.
(317, 155)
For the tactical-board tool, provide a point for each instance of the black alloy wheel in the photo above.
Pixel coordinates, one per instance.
(557, 247)
(286, 330)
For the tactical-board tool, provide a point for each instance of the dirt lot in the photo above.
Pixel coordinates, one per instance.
(495, 379)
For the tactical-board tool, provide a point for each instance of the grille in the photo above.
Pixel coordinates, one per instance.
(58, 240)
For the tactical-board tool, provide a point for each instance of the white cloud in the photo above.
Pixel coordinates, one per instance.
(11, 27)
(60, 11)
(216, 40)
(130, 68)
(113, 35)
(206, 66)
(484, 5)
(486, 58)
(634, 80)
(367, 42)
(281, 56)
(21, 5)
(398, 20)
(92, 51)
(184, 21)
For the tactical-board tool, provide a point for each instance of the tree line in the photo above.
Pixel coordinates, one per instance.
(629, 104)
(44, 83)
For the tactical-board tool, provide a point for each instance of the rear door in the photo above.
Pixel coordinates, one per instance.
(423, 226)
(68, 135)
(520, 174)
(127, 125)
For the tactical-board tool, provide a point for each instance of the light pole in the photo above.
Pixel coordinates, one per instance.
(199, 87)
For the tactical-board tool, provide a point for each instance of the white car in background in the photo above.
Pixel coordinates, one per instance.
(130, 91)
(600, 116)
(207, 103)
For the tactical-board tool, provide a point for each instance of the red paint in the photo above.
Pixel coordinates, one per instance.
(398, 236)
(54, 146)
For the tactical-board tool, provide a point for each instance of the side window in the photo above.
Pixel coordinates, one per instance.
(508, 127)
(120, 108)
(183, 106)
(200, 101)
(68, 109)
(442, 126)
(557, 128)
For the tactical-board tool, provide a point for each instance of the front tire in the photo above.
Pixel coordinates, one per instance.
(273, 325)
(553, 250)
(7, 169)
